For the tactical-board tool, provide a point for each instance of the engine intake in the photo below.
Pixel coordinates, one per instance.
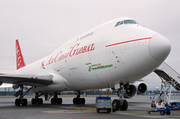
(130, 91)
(141, 87)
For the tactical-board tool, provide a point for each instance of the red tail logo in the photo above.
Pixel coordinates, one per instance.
(19, 58)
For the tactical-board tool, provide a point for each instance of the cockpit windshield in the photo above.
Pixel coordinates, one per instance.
(126, 22)
(130, 22)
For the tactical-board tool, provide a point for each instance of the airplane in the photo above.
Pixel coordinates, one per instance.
(115, 55)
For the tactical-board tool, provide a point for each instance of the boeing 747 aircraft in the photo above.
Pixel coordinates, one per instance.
(115, 54)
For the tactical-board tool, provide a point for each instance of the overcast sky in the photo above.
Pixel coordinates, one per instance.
(43, 25)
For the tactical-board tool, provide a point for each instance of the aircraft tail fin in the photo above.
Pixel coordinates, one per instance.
(19, 58)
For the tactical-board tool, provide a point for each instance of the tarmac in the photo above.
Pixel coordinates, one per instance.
(138, 107)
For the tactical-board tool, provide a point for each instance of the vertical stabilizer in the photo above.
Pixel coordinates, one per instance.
(19, 58)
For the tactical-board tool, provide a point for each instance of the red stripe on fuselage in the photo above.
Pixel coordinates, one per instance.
(128, 41)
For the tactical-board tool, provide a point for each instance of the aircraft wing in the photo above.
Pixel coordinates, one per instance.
(31, 80)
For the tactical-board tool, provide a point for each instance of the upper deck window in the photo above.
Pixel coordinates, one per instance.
(126, 22)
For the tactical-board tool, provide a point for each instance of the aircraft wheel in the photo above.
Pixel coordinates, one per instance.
(40, 101)
(75, 101)
(53, 101)
(33, 101)
(17, 102)
(116, 104)
(59, 101)
(83, 100)
(79, 101)
(24, 102)
(124, 106)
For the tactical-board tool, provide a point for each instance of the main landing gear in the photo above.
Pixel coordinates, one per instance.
(56, 100)
(21, 100)
(37, 100)
(79, 100)
(120, 104)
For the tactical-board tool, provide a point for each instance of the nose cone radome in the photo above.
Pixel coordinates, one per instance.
(159, 47)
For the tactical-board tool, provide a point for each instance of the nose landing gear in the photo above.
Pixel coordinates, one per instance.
(120, 104)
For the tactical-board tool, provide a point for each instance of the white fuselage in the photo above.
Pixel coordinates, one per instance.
(102, 56)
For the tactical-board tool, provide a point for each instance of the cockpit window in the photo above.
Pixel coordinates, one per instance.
(130, 22)
(126, 22)
(119, 23)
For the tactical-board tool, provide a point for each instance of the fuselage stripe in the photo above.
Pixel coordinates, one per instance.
(128, 41)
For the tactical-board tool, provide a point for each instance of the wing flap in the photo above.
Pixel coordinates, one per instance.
(31, 80)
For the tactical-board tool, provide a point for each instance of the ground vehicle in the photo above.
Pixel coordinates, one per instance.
(165, 110)
(160, 101)
(103, 103)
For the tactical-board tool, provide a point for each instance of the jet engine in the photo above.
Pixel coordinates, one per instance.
(140, 87)
(130, 91)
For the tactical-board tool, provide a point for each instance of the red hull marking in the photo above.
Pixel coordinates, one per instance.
(128, 41)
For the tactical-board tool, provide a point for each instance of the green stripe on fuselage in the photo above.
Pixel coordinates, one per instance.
(100, 67)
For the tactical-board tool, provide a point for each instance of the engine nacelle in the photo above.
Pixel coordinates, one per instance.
(140, 87)
(15, 86)
(130, 91)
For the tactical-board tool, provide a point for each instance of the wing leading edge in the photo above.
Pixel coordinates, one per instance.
(31, 80)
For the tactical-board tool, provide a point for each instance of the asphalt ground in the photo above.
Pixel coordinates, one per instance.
(138, 108)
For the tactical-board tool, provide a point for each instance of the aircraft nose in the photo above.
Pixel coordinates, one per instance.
(159, 47)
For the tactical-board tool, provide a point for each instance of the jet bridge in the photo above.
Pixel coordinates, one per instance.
(169, 75)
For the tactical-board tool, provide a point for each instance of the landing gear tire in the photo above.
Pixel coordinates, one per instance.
(79, 101)
(53, 101)
(124, 105)
(56, 100)
(23, 101)
(75, 101)
(83, 101)
(40, 101)
(35, 101)
(116, 104)
(59, 100)
(17, 102)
